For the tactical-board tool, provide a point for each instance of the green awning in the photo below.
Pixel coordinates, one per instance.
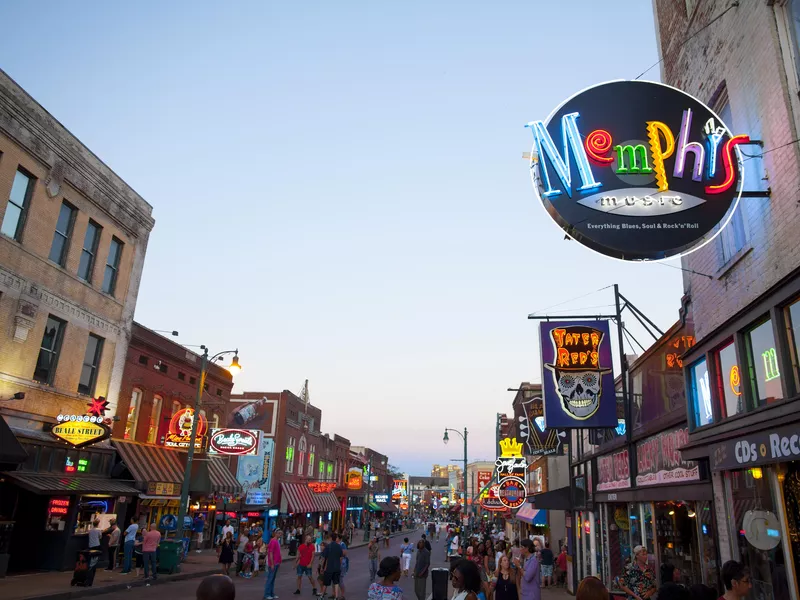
(374, 507)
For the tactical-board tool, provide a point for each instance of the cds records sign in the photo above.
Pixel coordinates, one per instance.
(234, 442)
(637, 170)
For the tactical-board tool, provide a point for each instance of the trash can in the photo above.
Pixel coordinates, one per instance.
(169, 556)
(86, 567)
(439, 579)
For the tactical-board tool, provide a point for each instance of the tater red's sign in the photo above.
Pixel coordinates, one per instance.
(235, 442)
(636, 170)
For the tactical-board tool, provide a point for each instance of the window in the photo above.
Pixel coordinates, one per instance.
(133, 415)
(155, 417)
(219, 392)
(311, 453)
(330, 471)
(729, 383)
(181, 376)
(91, 360)
(143, 360)
(215, 421)
(290, 455)
(17, 207)
(793, 18)
(112, 266)
(733, 237)
(301, 449)
(205, 387)
(50, 348)
(63, 232)
(192, 380)
(321, 470)
(701, 394)
(762, 360)
(162, 367)
(792, 317)
(176, 406)
(89, 251)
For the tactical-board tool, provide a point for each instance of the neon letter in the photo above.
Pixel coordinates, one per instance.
(571, 139)
(598, 143)
(684, 146)
(632, 151)
(713, 144)
(654, 128)
(727, 161)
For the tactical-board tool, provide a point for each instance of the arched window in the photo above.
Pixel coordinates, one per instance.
(133, 415)
(176, 406)
(311, 454)
(290, 455)
(155, 419)
(301, 455)
(215, 421)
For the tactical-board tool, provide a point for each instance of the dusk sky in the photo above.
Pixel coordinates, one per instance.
(339, 189)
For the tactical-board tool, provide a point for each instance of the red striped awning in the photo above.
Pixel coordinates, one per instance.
(300, 499)
(222, 480)
(150, 463)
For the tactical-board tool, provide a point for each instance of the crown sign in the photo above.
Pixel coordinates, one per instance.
(510, 448)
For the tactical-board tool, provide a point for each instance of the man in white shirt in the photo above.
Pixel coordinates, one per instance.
(227, 528)
(243, 539)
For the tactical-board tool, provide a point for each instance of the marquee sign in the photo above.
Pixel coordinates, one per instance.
(321, 487)
(577, 377)
(234, 442)
(637, 170)
(399, 489)
(354, 479)
(80, 430)
(511, 467)
(180, 430)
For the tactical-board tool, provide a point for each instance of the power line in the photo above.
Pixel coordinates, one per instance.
(685, 269)
(571, 300)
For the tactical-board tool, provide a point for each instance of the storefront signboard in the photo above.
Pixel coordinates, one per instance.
(255, 474)
(321, 487)
(613, 471)
(637, 170)
(234, 442)
(484, 479)
(163, 488)
(399, 489)
(354, 479)
(180, 430)
(659, 459)
(511, 467)
(381, 498)
(57, 506)
(780, 444)
(538, 439)
(577, 375)
(80, 430)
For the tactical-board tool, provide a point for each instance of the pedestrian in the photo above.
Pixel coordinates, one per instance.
(226, 552)
(198, 524)
(150, 542)
(387, 588)
(736, 579)
(548, 560)
(489, 566)
(345, 568)
(421, 567)
(130, 542)
(531, 573)
(305, 556)
(95, 535)
(216, 587)
(332, 561)
(137, 552)
(374, 556)
(670, 574)
(406, 549)
(561, 566)
(113, 533)
(591, 588)
(273, 564)
(240, 548)
(227, 528)
(386, 536)
(504, 584)
(516, 554)
(427, 543)
(248, 561)
(638, 581)
(466, 580)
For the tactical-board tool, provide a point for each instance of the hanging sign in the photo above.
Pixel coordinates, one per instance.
(539, 440)
(484, 479)
(659, 459)
(234, 442)
(577, 375)
(400, 489)
(180, 430)
(637, 170)
(613, 471)
(354, 479)
(254, 473)
(78, 431)
(761, 529)
(511, 467)
(321, 487)
(381, 498)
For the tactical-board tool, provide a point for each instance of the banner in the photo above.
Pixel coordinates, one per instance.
(577, 375)
(255, 474)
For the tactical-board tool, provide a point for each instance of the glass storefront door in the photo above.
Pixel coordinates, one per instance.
(676, 535)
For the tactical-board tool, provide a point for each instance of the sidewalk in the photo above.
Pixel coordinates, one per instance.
(55, 585)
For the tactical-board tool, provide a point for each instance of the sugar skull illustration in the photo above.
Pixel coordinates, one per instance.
(577, 372)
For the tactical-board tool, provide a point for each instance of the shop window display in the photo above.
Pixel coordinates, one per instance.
(764, 371)
(793, 331)
(708, 549)
(618, 536)
(676, 534)
(789, 481)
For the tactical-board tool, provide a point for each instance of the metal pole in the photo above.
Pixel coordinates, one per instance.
(466, 509)
(366, 507)
(623, 364)
(187, 472)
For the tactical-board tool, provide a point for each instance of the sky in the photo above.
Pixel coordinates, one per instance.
(339, 189)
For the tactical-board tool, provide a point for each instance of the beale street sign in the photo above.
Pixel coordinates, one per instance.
(234, 442)
(80, 432)
(637, 170)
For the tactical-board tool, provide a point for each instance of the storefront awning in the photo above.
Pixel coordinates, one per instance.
(70, 485)
(11, 451)
(531, 515)
(374, 507)
(222, 480)
(558, 499)
(150, 463)
(300, 499)
(387, 507)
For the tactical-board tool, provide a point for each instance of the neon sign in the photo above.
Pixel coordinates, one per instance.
(180, 430)
(57, 507)
(735, 380)
(319, 487)
(770, 365)
(657, 170)
(234, 442)
(511, 467)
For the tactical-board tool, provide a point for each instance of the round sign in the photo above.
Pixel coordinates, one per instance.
(761, 529)
(168, 522)
(637, 170)
(236, 442)
(512, 492)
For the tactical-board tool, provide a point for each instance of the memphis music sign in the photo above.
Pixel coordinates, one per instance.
(234, 442)
(637, 170)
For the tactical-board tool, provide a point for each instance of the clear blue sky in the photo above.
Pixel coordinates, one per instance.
(339, 190)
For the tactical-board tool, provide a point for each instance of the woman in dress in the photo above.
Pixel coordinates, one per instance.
(505, 582)
(226, 553)
(466, 580)
(387, 588)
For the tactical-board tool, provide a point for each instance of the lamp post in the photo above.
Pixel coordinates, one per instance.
(369, 486)
(446, 439)
(234, 367)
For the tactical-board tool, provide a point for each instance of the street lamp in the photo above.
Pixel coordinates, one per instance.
(366, 506)
(446, 439)
(234, 367)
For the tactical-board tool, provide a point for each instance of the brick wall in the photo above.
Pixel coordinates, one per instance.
(746, 51)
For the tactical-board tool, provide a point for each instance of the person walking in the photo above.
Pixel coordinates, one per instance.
(374, 556)
(273, 563)
(332, 566)
(150, 542)
(531, 573)
(227, 528)
(505, 584)
(130, 542)
(198, 525)
(427, 543)
(345, 567)
(466, 580)
(561, 566)
(736, 579)
(240, 550)
(406, 549)
(113, 533)
(226, 552)
(548, 560)
(387, 588)
(95, 535)
(638, 581)
(305, 556)
(421, 567)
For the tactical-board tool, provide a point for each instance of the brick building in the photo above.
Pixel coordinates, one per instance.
(743, 379)
(73, 238)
